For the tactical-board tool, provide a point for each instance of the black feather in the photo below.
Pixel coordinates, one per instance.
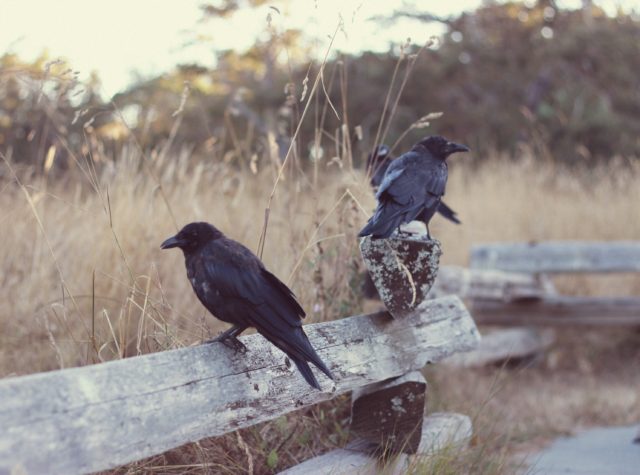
(448, 213)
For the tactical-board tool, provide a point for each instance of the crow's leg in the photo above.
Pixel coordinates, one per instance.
(224, 335)
(230, 340)
(235, 344)
(402, 233)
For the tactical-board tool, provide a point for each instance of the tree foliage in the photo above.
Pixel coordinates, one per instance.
(561, 82)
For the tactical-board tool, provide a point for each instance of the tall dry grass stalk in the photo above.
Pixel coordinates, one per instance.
(68, 231)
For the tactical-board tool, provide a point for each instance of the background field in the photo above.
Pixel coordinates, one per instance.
(95, 286)
(90, 187)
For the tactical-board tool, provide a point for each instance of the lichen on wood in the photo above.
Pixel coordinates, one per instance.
(403, 269)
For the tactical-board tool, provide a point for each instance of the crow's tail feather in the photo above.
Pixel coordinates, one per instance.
(383, 222)
(387, 217)
(378, 230)
(307, 353)
(448, 213)
(298, 348)
(306, 372)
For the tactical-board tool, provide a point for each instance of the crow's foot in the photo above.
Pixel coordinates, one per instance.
(235, 344)
(229, 339)
(222, 336)
(400, 233)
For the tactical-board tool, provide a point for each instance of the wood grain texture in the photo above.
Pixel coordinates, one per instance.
(560, 310)
(439, 431)
(97, 417)
(498, 346)
(489, 284)
(558, 256)
(389, 414)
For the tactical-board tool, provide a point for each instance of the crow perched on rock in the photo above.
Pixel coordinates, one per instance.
(233, 284)
(377, 164)
(412, 186)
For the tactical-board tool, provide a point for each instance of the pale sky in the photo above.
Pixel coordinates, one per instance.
(117, 37)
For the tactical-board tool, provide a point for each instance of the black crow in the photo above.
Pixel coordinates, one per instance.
(412, 186)
(377, 164)
(233, 284)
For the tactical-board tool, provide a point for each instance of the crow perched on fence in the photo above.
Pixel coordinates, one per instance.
(377, 164)
(412, 186)
(233, 284)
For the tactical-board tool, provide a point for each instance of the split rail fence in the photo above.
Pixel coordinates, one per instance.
(510, 284)
(536, 261)
(98, 417)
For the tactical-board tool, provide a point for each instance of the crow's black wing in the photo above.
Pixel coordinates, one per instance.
(239, 283)
(377, 167)
(408, 181)
(395, 169)
(238, 276)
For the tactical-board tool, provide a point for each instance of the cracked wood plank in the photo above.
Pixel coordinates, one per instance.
(490, 284)
(558, 256)
(560, 310)
(97, 417)
(402, 269)
(505, 345)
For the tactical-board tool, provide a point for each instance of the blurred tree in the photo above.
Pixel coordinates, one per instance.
(234, 103)
(41, 102)
(561, 82)
(226, 8)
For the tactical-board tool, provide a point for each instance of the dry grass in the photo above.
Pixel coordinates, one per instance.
(95, 286)
(139, 299)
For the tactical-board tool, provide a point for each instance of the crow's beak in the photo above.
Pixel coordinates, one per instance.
(171, 242)
(453, 147)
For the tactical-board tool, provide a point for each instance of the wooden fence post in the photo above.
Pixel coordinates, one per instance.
(403, 270)
(390, 414)
(387, 418)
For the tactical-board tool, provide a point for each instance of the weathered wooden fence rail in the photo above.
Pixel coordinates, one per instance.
(558, 256)
(97, 417)
(553, 257)
(560, 311)
(509, 284)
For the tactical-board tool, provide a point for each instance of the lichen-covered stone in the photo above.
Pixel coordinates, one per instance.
(403, 269)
